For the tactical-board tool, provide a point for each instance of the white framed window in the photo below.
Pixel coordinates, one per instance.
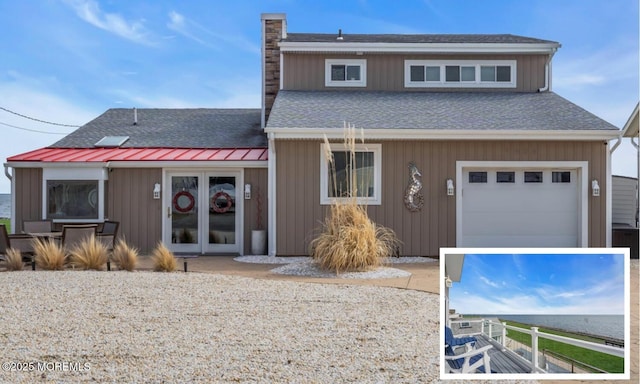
(73, 194)
(460, 74)
(337, 177)
(345, 73)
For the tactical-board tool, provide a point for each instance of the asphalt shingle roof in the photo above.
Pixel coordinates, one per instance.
(416, 38)
(173, 128)
(431, 110)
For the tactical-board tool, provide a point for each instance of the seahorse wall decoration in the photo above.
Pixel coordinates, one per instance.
(413, 199)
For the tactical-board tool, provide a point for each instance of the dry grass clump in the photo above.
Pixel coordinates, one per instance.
(90, 253)
(14, 260)
(349, 241)
(49, 255)
(125, 256)
(163, 259)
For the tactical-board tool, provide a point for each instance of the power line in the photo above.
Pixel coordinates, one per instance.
(32, 130)
(38, 120)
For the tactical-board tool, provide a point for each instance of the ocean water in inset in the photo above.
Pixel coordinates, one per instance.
(601, 325)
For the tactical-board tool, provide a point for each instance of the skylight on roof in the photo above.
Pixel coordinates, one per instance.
(111, 141)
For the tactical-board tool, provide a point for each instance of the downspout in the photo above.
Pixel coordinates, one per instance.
(547, 69)
(619, 140)
(271, 196)
(6, 172)
(609, 199)
(13, 196)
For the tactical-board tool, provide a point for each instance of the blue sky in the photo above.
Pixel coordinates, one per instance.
(579, 284)
(68, 61)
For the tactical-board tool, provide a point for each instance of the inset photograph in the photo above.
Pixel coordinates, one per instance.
(535, 313)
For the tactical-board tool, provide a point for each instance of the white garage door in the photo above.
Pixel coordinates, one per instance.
(519, 208)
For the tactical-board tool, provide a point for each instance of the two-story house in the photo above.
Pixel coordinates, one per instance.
(502, 160)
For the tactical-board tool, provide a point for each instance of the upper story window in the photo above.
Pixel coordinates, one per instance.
(460, 74)
(345, 73)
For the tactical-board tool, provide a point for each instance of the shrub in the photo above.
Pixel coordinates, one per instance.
(125, 256)
(49, 255)
(14, 260)
(349, 240)
(163, 259)
(90, 253)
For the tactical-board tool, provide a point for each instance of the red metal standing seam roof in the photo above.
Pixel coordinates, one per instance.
(101, 155)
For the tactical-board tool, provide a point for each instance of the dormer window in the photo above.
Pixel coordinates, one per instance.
(460, 74)
(345, 73)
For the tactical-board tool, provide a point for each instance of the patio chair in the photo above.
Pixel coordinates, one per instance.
(467, 341)
(471, 361)
(37, 226)
(108, 234)
(23, 243)
(72, 235)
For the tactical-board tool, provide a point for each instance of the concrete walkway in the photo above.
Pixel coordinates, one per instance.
(424, 276)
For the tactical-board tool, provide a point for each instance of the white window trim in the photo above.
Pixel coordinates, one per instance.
(376, 199)
(459, 84)
(71, 174)
(346, 83)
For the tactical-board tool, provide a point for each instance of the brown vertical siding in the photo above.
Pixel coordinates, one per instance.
(28, 199)
(424, 232)
(257, 177)
(130, 201)
(386, 72)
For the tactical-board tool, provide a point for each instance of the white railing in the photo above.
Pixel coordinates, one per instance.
(535, 334)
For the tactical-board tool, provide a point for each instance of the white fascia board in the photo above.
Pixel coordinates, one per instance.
(444, 134)
(632, 125)
(417, 47)
(189, 164)
(142, 164)
(55, 164)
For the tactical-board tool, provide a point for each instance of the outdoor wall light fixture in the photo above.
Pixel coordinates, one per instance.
(156, 191)
(450, 188)
(247, 191)
(447, 282)
(595, 188)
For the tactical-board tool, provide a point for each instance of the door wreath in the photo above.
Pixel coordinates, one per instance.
(224, 208)
(188, 207)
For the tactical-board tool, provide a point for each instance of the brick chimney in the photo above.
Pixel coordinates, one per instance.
(274, 28)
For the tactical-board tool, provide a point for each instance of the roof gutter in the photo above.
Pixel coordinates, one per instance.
(286, 46)
(443, 134)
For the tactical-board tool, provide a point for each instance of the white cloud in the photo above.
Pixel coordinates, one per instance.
(198, 33)
(489, 282)
(178, 24)
(89, 11)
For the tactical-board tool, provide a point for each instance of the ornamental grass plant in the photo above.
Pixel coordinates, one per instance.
(163, 259)
(14, 260)
(49, 255)
(349, 241)
(89, 254)
(125, 256)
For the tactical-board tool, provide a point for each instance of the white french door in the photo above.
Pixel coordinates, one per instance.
(203, 211)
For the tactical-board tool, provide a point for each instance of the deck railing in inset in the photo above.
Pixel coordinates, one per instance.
(487, 325)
